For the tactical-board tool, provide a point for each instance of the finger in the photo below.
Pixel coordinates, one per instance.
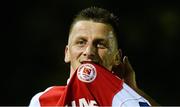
(127, 64)
(129, 76)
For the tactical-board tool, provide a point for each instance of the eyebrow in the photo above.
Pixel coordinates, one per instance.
(80, 38)
(100, 39)
(97, 39)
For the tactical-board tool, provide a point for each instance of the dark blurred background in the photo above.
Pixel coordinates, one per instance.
(35, 34)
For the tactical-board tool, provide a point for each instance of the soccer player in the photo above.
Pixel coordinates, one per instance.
(99, 74)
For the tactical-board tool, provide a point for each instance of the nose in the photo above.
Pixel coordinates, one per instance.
(90, 51)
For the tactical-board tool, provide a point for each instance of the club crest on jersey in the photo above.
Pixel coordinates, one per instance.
(86, 73)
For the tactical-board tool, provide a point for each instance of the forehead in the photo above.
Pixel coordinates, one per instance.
(91, 28)
(83, 25)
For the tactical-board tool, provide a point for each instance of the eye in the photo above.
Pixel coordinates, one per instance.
(81, 42)
(101, 45)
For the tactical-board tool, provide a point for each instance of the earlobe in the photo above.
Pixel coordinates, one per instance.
(67, 56)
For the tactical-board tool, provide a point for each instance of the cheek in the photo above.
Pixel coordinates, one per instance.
(106, 59)
(75, 53)
(74, 57)
(105, 55)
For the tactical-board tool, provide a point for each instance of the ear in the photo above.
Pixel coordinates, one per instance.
(67, 56)
(118, 57)
(118, 67)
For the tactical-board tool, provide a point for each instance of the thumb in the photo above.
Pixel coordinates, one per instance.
(129, 73)
(127, 65)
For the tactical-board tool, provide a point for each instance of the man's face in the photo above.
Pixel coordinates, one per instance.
(91, 41)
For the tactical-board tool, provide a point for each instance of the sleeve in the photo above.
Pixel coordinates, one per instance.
(35, 100)
(135, 103)
(127, 97)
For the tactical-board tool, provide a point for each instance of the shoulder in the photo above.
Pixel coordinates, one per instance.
(50, 95)
(128, 97)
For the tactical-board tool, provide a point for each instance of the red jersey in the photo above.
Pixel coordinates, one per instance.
(90, 85)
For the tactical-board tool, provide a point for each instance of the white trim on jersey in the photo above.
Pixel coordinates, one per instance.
(127, 97)
(35, 100)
